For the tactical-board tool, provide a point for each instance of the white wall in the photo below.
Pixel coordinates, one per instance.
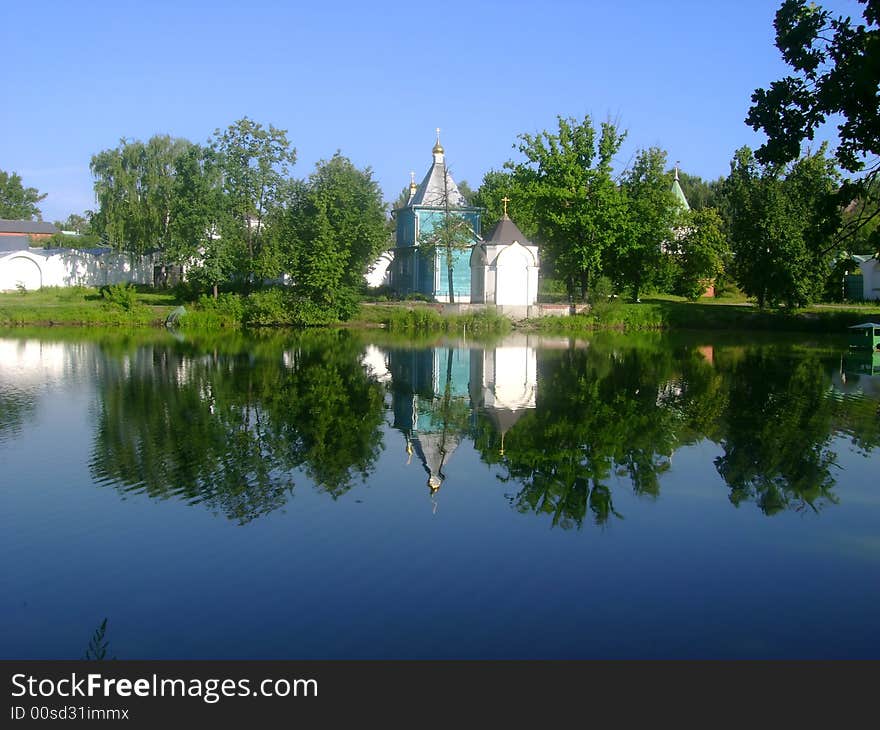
(68, 267)
(871, 279)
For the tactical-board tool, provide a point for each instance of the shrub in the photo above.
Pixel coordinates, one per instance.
(123, 296)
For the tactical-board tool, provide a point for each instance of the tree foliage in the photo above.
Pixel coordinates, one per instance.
(134, 187)
(652, 213)
(782, 226)
(16, 201)
(333, 230)
(256, 162)
(699, 251)
(579, 209)
(836, 73)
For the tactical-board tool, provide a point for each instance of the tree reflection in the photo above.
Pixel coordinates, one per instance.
(776, 440)
(220, 425)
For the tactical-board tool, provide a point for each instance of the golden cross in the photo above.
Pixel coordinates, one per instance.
(505, 200)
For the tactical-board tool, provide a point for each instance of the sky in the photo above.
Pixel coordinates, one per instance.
(374, 80)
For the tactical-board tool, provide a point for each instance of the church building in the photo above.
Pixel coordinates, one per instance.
(425, 212)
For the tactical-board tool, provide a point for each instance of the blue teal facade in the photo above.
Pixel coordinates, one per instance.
(413, 272)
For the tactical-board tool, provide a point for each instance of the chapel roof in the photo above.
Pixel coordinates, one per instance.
(505, 232)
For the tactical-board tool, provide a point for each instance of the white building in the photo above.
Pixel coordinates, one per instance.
(870, 278)
(504, 267)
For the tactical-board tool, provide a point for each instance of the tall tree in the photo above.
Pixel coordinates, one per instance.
(578, 207)
(134, 185)
(333, 230)
(836, 65)
(256, 163)
(782, 224)
(200, 220)
(652, 213)
(699, 250)
(16, 201)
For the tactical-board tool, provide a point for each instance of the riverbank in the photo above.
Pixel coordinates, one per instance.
(129, 307)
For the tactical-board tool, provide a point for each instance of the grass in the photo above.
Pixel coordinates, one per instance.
(79, 305)
(667, 312)
(143, 307)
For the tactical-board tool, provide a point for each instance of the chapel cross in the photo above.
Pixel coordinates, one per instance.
(438, 135)
(505, 200)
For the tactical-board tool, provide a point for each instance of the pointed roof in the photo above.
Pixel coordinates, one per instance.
(434, 191)
(678, 192)
(505, 232)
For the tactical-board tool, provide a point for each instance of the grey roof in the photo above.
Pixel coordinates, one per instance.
(866, 326)
(506, 231)
(8, 226)
(432, 192)
(14, 243)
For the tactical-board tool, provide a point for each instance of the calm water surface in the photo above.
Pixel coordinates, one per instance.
(327, 496)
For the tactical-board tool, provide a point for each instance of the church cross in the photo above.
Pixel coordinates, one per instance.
(438, 135)
(505, 200)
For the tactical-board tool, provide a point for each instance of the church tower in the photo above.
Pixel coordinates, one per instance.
(425, 210)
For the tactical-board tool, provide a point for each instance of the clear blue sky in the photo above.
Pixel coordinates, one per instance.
(374, 80)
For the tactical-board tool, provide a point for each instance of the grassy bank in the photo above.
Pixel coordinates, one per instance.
(678, 314)
(140, 307)
(85, 306)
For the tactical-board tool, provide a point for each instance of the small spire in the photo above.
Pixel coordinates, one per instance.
(438, 148)
(677, 163)
(412, 183)
(505, 200)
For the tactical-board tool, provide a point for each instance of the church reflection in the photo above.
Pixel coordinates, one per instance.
(438, 395)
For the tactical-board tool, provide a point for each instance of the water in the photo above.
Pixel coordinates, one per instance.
(326, 495)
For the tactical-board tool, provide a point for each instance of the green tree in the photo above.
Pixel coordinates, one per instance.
(578, 207)
(836, 65)
(700, 193)
(500, 184)
(334, 228)
(77, 223)
(134, 187)
(782, 225)
(699, 250)
(255, 162)
(200, 220)
(16, 201)
(652, 212)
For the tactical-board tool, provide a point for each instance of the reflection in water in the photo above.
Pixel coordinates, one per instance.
(229, 428)
(235, 423)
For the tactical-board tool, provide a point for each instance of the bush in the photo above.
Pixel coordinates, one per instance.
(123, 296)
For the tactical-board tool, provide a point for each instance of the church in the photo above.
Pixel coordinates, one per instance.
(502, 270)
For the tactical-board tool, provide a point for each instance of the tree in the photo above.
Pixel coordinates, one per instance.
(836, 66)
(578, 208)
(500, 184)
(77, 223)
(700, 193)
(16, 201)
(255, 163)
(699, 250)
(782, 226)
(652, 212)
(200, 220)
(333, 230)
(134, 185)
